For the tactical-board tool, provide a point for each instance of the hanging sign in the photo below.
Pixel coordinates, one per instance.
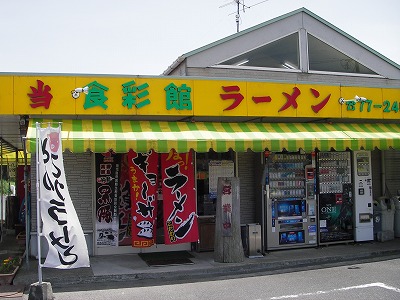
(143, 169)
(107, 190)
(179, 198)
(61, 226)
(12, 170)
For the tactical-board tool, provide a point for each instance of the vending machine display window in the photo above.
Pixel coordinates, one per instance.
(363, 163)
(294, 208)
(291, 237)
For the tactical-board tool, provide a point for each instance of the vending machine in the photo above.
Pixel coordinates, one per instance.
(335, 197)
(363, 202)
(290, 203)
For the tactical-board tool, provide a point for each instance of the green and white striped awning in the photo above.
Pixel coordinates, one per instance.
(141, 136)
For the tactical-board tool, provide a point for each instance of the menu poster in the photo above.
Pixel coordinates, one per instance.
(107, 193)
(219, 168)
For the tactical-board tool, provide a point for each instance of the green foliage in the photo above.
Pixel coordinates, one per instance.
(9, 264)
(5, 187)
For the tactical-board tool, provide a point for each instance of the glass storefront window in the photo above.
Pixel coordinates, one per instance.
(206, 200)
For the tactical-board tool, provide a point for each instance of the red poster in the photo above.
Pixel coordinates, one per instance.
(143, 180)
(179, 198)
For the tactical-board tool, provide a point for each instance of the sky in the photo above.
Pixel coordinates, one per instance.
(144, 37)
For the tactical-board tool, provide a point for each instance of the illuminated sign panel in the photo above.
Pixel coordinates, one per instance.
(170, 96)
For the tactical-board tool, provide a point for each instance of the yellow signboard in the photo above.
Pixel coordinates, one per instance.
(187, 97)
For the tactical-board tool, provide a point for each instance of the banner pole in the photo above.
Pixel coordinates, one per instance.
(1, 193)
(27, 203)
(38, 204)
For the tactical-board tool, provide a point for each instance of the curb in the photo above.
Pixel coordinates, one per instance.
(217, 271)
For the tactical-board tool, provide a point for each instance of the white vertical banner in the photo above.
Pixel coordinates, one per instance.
(61, 226)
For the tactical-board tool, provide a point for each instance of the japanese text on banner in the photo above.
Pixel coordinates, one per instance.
(179, 198)
(61, 226)
(143, 169)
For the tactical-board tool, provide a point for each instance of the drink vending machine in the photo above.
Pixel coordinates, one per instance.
(335, 197)
(363, 202)
(290, 201)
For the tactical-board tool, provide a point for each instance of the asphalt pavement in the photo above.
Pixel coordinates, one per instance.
(132, 270)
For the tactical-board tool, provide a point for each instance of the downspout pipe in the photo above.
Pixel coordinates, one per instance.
(383, 173)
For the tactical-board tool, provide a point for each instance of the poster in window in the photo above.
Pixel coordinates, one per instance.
(107, 193)
(219, 168)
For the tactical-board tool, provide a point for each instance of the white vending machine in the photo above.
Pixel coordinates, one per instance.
(363, 202)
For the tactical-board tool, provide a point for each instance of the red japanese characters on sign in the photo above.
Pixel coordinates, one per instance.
(40, 96)
(321, 105)
(232, 93)
(237, 97)
(226, 202)
(291, 99)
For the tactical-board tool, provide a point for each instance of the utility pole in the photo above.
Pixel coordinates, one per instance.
(237, 15)
(238, 3)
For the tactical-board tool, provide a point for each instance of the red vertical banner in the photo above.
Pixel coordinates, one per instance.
(143, 169)
(179, 198)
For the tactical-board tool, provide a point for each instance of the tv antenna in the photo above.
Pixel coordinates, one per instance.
(240, 7)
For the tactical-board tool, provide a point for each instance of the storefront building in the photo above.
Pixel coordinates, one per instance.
(283, 106)
(307, 52)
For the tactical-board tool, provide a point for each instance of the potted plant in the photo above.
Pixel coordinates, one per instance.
(8, 269)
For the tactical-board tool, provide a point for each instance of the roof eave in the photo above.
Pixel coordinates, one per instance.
(174, 65)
